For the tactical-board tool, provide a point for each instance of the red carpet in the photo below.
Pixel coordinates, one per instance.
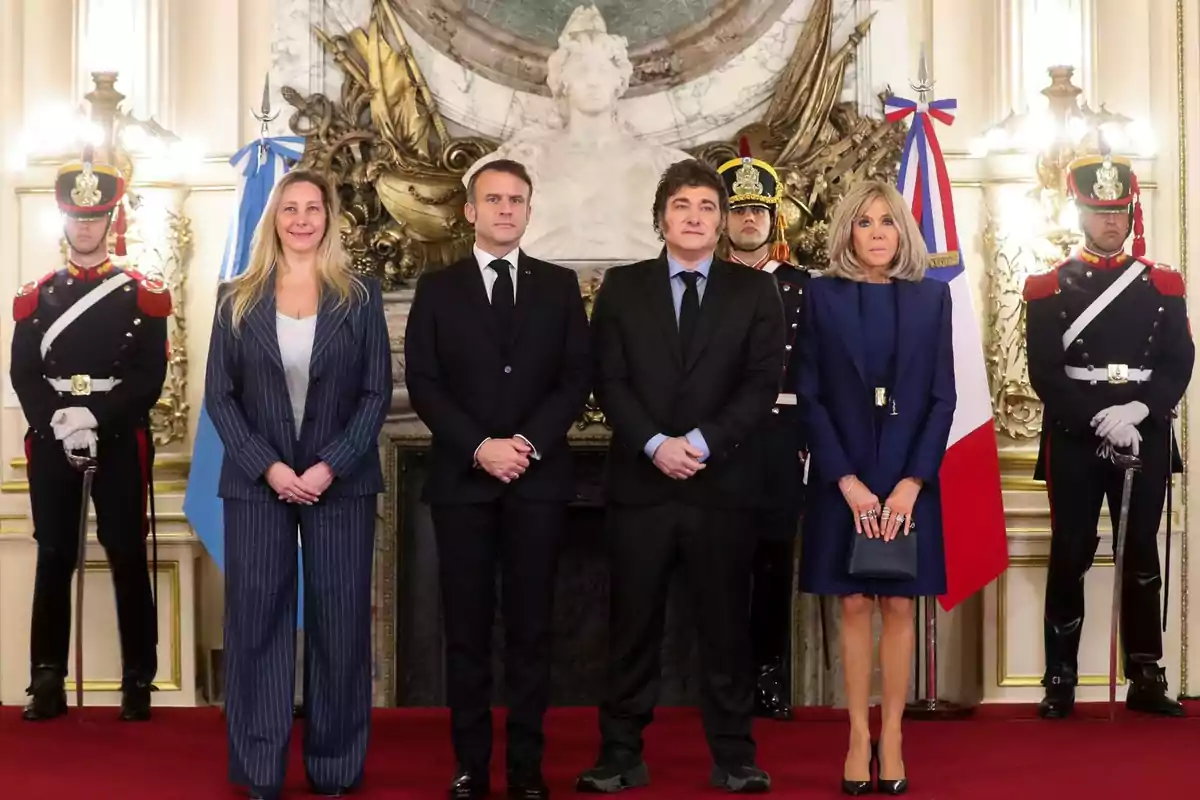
(1004, 752)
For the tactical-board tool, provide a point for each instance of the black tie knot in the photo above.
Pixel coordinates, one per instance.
(690, 278)
(500, 264)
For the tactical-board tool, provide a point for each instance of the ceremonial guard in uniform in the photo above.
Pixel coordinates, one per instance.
(1110, 355)
(754, 221)
(89, 357)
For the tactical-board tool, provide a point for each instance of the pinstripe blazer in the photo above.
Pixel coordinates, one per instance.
(349, 393)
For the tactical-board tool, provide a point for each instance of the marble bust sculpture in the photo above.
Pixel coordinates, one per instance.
(593, 180)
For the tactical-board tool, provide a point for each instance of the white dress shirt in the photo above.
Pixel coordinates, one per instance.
(295, 351)
(489, 275)
(489, 280)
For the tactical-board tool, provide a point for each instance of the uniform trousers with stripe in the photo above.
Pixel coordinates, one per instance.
(1078, 482)
(337, 536)
(119, 497)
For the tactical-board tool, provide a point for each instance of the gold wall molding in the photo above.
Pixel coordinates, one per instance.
(170, 571)
(1003, 677)
(1181, 115)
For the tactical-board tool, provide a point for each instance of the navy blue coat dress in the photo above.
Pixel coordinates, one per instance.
(860, 336)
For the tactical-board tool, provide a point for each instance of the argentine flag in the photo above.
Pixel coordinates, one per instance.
(260, 165)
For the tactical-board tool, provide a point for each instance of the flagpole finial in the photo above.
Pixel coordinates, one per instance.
(265, 118)
(924, 85)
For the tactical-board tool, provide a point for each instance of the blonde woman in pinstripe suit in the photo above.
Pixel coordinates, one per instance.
(299, 381)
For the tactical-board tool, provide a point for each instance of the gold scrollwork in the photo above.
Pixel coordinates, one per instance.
(820, 147)
(398, 170)
(1018, 410)
(169, 417)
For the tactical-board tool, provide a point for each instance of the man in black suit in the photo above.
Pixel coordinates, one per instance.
(498, 366)
(688, 349)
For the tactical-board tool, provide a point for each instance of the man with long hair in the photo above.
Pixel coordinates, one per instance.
(89, 357)
(755, 234)
(688, 352)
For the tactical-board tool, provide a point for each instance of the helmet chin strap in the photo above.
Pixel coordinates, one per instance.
(737, 249)
(103, 244)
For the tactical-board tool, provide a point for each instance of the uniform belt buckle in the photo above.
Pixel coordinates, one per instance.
(81, 385)
(1118, 373)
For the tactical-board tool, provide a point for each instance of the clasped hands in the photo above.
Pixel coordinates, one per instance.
(886, 522)
(305, 489)
(677, 458)
(1118, 425)
(75, 427)
(504, 459)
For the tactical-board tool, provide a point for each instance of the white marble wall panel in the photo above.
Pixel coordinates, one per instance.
(709, 107)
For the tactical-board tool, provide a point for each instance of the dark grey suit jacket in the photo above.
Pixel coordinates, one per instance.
(349, 392)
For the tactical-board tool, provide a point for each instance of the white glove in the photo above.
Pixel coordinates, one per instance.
(1116, 416)
(80, 440)
(1125, 437)
(69, 420)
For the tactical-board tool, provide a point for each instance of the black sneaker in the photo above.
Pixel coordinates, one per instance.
(747, 779)
(610, 777)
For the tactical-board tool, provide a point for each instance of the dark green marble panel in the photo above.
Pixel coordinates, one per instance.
(639, 21)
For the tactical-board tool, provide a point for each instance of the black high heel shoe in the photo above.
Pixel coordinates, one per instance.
(859, 788)
(882, 786)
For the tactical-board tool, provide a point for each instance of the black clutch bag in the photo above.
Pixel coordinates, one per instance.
(882, 560)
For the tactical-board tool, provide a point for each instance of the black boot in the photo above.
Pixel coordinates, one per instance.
(1148, 692)
(771, 696)
(48, 697)
(1059, 701)
(135, 700)
(1062, 667)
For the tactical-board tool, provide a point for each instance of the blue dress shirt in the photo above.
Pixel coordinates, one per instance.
(694, 437)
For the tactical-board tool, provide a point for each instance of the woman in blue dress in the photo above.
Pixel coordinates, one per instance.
(876, 395)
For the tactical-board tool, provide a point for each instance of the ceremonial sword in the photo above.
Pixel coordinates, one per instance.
(87, 464)
(1131, 464)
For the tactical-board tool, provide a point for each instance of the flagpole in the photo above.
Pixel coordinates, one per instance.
(928, 705)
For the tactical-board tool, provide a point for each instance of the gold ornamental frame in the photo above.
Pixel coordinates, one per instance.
(399, 171)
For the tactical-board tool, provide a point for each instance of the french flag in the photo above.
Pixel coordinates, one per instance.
(972, 506)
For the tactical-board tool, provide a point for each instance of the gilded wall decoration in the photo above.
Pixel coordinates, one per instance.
(670, 41)
(400, 171)
(169, 417)
(1018, 411)
(819, 146)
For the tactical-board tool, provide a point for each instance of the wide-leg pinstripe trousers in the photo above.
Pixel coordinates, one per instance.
(260, 638)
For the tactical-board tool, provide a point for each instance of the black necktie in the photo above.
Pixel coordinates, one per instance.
(689, 309)
(502, 295)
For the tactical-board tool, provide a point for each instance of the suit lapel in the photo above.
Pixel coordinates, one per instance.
(478, 306)
(261, 320)
(329, 317)
(712, 309)
(528, 287)
(844, 298)
(662, 304)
